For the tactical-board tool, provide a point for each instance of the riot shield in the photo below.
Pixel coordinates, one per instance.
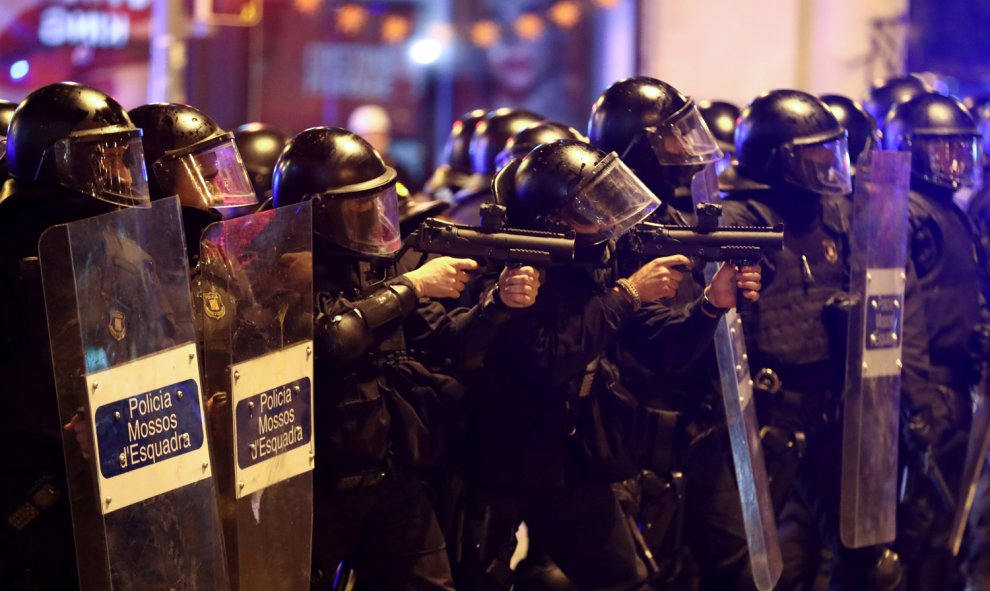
(976, 453)
(878, 255)
(127, 379)
(744, 430)
(255, 289)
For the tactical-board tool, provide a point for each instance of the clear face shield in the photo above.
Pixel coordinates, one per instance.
(106, 166)
(211, 176)
(704, 185)
(821, 167)
(368, 224)
(683, 140)
(611, 202)
(951, 161)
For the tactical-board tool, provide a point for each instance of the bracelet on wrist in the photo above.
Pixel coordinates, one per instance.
(632, 294)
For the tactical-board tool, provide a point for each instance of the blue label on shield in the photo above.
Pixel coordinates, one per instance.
(883, 321)
(273, 422)
(149, 427)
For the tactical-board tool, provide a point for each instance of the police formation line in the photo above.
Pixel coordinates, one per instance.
(697, 348)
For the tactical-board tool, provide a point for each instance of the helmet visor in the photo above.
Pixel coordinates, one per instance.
(947, 161)
(683, 140)
(107, 166)
(211, 177)
(610, 203)
(821, 167)
(368, 224)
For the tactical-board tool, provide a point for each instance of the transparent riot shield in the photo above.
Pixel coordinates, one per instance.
(255, 289)
(128, 386)
(744, 430)
(878, 255)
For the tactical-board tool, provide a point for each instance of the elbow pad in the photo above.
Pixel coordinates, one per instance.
(388, 305)
(356, 331)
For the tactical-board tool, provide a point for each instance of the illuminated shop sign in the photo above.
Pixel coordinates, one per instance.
(90, 23)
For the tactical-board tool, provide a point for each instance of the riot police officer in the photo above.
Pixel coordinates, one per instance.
(188, 154)
(943, 140)
(557, 427)
(73, 153)
(793, 167)
(978, 569)
(661, 135)
(379, 413)
(490, 135)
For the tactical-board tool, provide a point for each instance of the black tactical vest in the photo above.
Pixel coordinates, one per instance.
(787, 328)
(944, 251)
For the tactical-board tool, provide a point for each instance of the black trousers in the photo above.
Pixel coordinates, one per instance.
(818, 486)
(580, 527)
(714, 530)
(388, 533)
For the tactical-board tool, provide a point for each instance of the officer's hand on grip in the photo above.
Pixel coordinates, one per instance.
(658, 279)
(442, 277)
(518, 286)
(728, 280)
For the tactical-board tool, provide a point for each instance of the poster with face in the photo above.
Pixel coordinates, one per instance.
(535, 54)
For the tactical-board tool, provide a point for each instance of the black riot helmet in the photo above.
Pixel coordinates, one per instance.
(656, 130)
(568, 185)
(352, 189)
(6, 112)
(942, 137)
(189, 155)
(521, 142)
(77, 137)
(260, 145)
(858, 123)
(721, 117)
(885, 94)
(490, 135)
(789, 137)
(455, 169)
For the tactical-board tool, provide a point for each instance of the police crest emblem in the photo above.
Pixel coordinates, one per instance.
(117, 325)
(213, 305)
